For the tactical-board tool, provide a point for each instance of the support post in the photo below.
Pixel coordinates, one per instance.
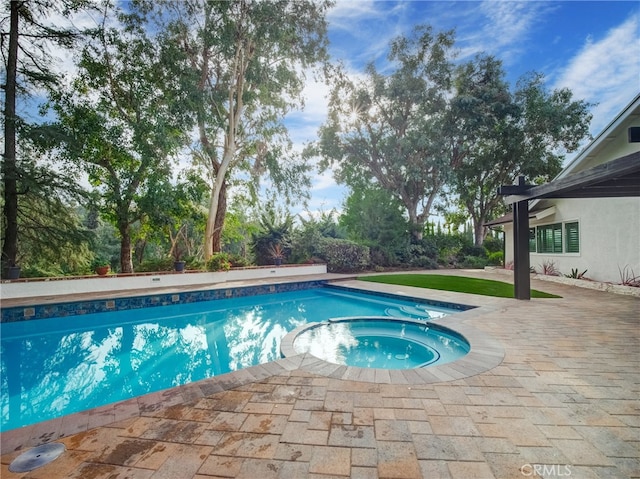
(521, 266)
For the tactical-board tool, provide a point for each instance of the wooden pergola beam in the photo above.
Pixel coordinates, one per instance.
(620, 177)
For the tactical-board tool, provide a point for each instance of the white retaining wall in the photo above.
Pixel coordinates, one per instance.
(101, 284)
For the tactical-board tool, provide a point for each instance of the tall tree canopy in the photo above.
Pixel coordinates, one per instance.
(499, 135)
(390, 129)
(241, 65)
(120, 122)
(27, 36)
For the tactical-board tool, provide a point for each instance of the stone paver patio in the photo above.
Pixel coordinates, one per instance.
(562, 400)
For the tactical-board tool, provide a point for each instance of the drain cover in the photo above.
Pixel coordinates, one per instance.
(37, 457)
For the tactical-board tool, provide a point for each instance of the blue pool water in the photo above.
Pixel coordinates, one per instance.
(381, 343)
(54, 367)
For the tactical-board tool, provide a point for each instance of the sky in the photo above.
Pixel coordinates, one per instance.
(590, 47)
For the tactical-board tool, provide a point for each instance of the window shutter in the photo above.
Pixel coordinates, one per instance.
(532, 240)
(572, 233)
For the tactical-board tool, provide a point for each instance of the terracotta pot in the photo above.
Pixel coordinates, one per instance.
(102, 270)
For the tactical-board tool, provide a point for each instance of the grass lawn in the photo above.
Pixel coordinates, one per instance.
(460, 284)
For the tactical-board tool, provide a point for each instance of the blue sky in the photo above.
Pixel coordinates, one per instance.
(591, 47)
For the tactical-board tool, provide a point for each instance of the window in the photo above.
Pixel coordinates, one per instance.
(550, 238)
(572, 235)
(532, 240)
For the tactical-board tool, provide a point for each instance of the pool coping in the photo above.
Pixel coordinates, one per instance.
(484, 354)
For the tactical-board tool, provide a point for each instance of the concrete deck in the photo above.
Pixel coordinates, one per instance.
(561, 401)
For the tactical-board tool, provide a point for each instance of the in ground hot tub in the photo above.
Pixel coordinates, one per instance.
(377, 342)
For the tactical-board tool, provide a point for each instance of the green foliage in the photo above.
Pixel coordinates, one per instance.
(99, 261)
(493, 244)
(238, 261)
(421, 254)
(461, 284)
(119, 122)
(473, 262)
(496, 258)
(575, 274)
(219, 262)
(275, 228)
(158, 264)
(499, 135)
(305, 239)
(391, 128)
(343, 256)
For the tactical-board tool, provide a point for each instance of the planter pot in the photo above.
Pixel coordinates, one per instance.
(179, 266)
(277, 261)
(13, 272)
(102, 270)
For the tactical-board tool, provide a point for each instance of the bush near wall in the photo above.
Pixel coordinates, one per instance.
(343, 256)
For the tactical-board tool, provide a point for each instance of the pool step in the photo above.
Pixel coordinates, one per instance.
(408, 312)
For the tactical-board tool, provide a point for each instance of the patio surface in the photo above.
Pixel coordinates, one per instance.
(560, 400)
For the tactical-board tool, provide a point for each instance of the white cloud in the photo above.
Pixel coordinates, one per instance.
(506, 28)
(606, 72)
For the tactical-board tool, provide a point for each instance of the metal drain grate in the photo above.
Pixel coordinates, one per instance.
(37, 457)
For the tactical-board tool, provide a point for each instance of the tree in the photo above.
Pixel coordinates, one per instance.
(26, 37)
(120, 121)
(499, 135)
(390, 129)
(372, 216)
(241, 65)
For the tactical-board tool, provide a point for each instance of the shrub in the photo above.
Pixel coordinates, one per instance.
(492, 244)
(343, 255)
(157, 264)
(575, 274)
(238, 261)
(473, 262)
(472, 250)
(549, 269)
(496, 258)
(219, 262)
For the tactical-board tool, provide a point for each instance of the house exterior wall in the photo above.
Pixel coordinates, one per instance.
(609, 227)
(609, 237)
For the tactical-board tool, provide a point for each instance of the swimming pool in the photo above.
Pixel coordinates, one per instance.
(58, 366)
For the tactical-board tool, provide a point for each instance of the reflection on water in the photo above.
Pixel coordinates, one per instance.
(373, 343)
(55, 367)
(53, 374)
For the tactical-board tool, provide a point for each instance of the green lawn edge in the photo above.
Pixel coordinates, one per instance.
(458, 284)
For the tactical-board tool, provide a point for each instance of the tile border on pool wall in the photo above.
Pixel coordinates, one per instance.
(75, 308)
(430, 302)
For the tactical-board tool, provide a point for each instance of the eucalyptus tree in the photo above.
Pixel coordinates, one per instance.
(241, 65)
(120, 121)
(499, 135)
(28, 34)
(390, 128)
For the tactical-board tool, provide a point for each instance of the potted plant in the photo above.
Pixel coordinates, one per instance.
(13, 271)
(178, 248)
(178, 263)
(277, 253)
(100, 265)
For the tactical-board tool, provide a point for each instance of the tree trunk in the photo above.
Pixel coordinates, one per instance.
(126, 263)
(479, 232)
(220, 216)
(9, 167)
(215, 220)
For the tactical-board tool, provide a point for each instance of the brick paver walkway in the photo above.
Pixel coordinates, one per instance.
(564, 402)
